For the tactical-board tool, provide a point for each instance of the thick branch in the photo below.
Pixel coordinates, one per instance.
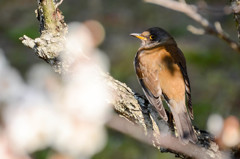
(48, 10)
(53, 31)
(165, 140)
(137, 109)
(191, 11)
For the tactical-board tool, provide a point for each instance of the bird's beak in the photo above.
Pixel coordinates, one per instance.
(139, 36)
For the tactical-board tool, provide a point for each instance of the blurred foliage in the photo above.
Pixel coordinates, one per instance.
(213, 67)
(42, 154)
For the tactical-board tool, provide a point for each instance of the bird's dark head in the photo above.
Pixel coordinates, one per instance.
(154, 37)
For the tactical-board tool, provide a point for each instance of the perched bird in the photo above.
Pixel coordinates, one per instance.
(161, 69)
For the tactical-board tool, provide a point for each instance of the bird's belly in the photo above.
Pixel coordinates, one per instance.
(172, 84)
(164, 73)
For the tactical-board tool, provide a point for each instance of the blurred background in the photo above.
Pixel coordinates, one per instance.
(213, 67)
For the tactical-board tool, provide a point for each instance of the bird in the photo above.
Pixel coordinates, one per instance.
(161, 70)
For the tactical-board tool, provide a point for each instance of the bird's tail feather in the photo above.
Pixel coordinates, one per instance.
(184, 126)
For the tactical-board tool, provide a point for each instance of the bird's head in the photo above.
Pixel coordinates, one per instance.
(154, 37)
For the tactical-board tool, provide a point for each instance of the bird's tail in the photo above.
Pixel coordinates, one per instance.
(183, 124)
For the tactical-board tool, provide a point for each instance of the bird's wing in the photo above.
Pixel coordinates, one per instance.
(181, 62)
(152, 92)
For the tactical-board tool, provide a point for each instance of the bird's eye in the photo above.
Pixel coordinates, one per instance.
(152, 37)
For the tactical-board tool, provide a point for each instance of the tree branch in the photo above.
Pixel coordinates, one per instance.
(53, 31)
(173, 144)
(192, 12)
(236, 10)
(133, 107)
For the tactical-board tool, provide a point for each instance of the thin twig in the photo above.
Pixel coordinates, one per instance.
(58, 3)
(235, 4)
(191, 11)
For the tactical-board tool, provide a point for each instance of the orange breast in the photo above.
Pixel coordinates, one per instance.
(160, 70)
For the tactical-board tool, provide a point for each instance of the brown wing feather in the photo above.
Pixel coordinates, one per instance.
(188, 91)
(179, 58)
(150, 91)
(155, 101)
